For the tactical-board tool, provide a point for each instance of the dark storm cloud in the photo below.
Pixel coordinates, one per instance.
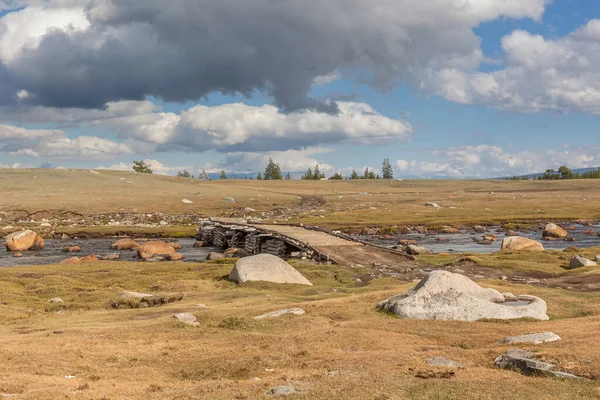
(186, 49)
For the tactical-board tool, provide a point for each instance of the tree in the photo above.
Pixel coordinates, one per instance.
(309, 175)
(184, 174)
(203, 176)
(387, 170)
(549, 174)
(565, 172)
(354, 175)
(288, 176)
(259, 177)
(142, 167)
(318, 175)
(336, 177)
(368, 174)
(272, 171)
(223, 175)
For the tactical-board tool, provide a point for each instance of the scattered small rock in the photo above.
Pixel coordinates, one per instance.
(175, 257)
(524, 362)
(281, 391)
(417, 250)
(187, 318)
(579, 262)
(443, 362)
(554, 231)
(434, 205)
(198, 244)
(125, 244)
(186, 201)
(112, 256)
(407, 242)
(275, 314)
(72, 249)
(533, 338)
(56, 300)
(229, 199)
(18, 255)
(212, 256)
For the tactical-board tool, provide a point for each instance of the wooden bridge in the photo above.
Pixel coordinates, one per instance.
(293, 241)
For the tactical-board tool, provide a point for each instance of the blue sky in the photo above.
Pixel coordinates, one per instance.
(514, 90)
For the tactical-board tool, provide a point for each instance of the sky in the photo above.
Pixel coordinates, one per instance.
(442, 88)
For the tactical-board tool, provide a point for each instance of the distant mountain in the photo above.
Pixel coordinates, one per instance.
(537, 175)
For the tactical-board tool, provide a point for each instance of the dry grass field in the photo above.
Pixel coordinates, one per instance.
(342, 348)
(347, 204)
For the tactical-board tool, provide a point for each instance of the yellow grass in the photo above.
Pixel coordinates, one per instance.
(387, 203)
(145, 354)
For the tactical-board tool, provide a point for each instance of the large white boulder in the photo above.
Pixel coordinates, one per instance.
(442, 295)
(266, 267)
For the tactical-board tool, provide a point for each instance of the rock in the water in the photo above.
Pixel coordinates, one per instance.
(18, 255)
(212, 256)
(524, 361)
(175, 257)
(275, 314)
(443, 362)
(72, 249)
(266, 267)
(90, 258)
(24, 240)
(407, 242)
(417, 250)
(479, 229)
(442, 295)
(533, 338)
(490, 237)
(579, 262)
(154, 248)
(520, 243)
(174, 245)
(187, 318)
(186, 201)
(56, 300)
(198, 244)
(125, 244)
(231, 252)
(112, 256)
(449, 230)
(281, 391)
(434, 205)
(555, 231)
(72, 260)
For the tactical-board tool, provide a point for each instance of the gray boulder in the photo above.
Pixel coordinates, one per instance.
(281, 391)
(417, 250)
(187, 318)
(579, 262)
(533, 338)
(524, 361)
(442, 295)
(275, 314)
(443, 362)
(268, 268)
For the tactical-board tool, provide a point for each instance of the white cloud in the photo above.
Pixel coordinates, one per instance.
(56, 144)
(541, 74)
(328, 78)
(486, 161)
(289, 160)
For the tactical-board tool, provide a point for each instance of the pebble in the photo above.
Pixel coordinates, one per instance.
(281, 391)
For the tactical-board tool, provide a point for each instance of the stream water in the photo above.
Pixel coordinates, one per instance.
(465, 241)
(52, 253)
